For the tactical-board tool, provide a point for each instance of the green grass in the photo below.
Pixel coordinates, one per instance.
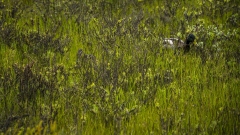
(124, 82)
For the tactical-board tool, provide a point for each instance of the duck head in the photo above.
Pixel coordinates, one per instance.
(189, 40)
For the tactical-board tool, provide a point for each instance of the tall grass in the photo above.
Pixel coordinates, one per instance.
(97, 67)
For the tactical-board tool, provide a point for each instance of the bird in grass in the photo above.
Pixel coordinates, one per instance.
(178, 43)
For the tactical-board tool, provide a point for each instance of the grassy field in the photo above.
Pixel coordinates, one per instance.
(98, 67)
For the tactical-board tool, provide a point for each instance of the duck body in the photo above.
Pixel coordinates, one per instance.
(172, 43)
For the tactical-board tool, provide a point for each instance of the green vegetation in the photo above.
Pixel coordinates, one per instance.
(97, 67)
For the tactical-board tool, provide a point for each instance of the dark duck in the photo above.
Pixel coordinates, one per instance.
(178, 43)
